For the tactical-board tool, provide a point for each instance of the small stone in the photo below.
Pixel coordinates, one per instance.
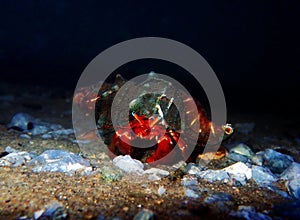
(288, 210)
(258, 158)
(237, 157)
(263, 176)
(243, 150)
(239, 173)
(276, 161)
(129, 165)
(293, 171)
(292, 175)
(110, 173)
(220, 196)
(191, 194)
(156, 171)
(214, 175)
(153, 177)
(54, 210)
(239, 168)
(144, 214)
(220, 201)
(58, 161)
(189, 180)
(15, 159)
(46, 136)
(25, 136)
(193, 169)
(27, 123)
(161, 190)
(9, 149)
(60, 132)
(21, 122)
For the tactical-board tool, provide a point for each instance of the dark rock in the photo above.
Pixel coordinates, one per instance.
(193, 169)
(249, 213)
(276, 162)
(144, 214)
(292, 175)
(288, 210)
(263, 176)
(219, 201)
(238, 157)
(27, 123)
(54, 210)
(21, 122)
(242, 149)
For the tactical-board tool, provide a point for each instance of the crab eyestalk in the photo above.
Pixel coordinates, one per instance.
(228, 131)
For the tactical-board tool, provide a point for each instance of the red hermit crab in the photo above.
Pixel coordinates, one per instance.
(148, 118)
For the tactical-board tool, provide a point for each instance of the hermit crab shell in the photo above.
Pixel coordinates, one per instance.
(151, 95)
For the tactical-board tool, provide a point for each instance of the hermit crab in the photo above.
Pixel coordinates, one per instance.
(152, 120)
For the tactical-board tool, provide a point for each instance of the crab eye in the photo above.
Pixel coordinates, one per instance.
(228, 129)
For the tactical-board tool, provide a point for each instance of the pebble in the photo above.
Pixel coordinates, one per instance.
(27, 123)
(129, 165)
(258, 158)
(21, 121)
(220, 201)
(292, 175)
(220, 196)
(54, 210)
(161, 190)
(15, 159)
(144, 214)
(263, 176)
(214, 175)
(157, 171)
(58, 161)
(110, 173)
(249, 213)
(9, 149)
(61, 132)
(191, 193)
(276, 161)
(242, 149)
(239, 169)
(239, 172)
(155, 174)
(193, 169)
(189, 180)
(25, 136)
(244, 128)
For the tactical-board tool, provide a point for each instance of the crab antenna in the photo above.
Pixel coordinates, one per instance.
(136, 117)
(154, 122)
